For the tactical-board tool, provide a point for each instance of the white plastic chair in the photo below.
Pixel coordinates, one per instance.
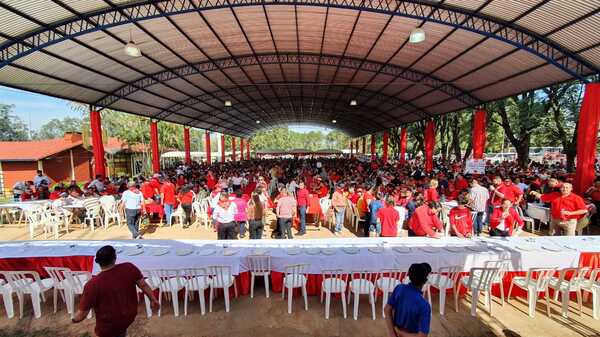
(92, 214)
(564, 287)
(503, 267)
(68, 284)
(526, 219)
(478, 280)
(200, 209)
(52, 222)
(335, 281)
(259, 265)
(109, 208)
(33, 217)
(591, 285)
(361, 284)
(295, 277)
(221, 277)
(196, 280)
(446, 278)
(7, 297)
(386, 282)
(179, 214)
(327, 210)
(29, 283)
(535, 282)
(153, 284)
(168, 282)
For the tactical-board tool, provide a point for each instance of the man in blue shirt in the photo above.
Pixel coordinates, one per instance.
(408, 313)
(374, 206)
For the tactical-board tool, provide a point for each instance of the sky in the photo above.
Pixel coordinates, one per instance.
(36, 109)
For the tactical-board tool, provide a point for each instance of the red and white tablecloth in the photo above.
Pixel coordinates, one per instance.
(523, 253)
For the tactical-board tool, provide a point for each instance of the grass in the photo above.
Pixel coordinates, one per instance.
(36, 333)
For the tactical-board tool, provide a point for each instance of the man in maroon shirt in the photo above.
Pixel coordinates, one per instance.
(302, 200)
(113, 296)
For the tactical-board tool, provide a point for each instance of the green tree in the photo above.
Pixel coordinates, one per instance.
(11, 127)
(56, 128)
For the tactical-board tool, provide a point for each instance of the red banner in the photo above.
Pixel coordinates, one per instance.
(154, 143)
(222, 148)
(479, 125)
(429, 145)
(587, 135)
(98, 146)
(241, 148)
(208, 149)
(403, 147)
(186, 144)
(385, 146)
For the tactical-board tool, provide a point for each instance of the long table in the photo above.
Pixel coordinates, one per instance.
(318, 254)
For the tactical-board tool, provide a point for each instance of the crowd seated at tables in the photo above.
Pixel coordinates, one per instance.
(374, 189)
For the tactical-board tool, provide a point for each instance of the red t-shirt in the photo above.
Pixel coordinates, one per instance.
(550, 196)
(302, 197)
(431, 194)
(54, 195)
(510, 192)
(388, 217)
(461, 184)
(571, 202)
(113, 296)
(423, 221)
(168, 190)
(461, 220)
(186, 199)
(323, 191)
(147, 190)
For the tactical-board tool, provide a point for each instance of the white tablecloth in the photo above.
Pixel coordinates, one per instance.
(505, 248)
(539, 212)
(23, 205)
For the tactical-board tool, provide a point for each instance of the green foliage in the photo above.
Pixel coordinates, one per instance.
(56, 128)
(284, 139)
(11, 127)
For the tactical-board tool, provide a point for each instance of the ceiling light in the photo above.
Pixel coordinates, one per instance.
(334, 121)
(353, 102)
(131, 48)
(417, 35)
(257, 122)
(228, 103)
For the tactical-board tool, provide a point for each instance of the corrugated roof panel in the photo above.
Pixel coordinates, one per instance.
(339, 26)
(254, 23)
(369, 26)
(198, 31)
(579, 36)
(45, 11)
(223, 22)
(283, 26)
(508, 10)
(311, 22)
(446, 50)
(466, 4)
(413, 51)
(556, 13)
(394, 36)
(15, 25)
(592, 55)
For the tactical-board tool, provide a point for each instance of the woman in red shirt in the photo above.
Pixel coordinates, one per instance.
(461, 220)
(431, 193)
(185, 198)
(504, 219)
(425, 220)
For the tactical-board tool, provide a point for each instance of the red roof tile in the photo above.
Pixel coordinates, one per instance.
(35, 150)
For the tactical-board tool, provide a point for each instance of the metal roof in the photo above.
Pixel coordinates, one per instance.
(302, 61)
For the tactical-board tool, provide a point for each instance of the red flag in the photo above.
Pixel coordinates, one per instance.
(429, 145)
(385, 146)
(154, 142)
(479, 123)
(403, 146)
(587, 135)
(186, 144)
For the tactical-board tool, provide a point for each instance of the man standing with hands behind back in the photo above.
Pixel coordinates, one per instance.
(113, 295)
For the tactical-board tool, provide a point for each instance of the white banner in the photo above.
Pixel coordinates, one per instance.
(475, 166)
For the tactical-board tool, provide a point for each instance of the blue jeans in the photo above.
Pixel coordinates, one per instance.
(375, 227)
(339, 219)
(168, 211)
(133, 215)
(478, 223)
(242, 226)
(302, 211)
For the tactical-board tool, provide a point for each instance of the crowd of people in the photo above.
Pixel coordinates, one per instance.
(388, 197)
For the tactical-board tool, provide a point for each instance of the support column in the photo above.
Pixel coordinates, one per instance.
(351, 149)
(479, 124)
(429, 145)
(154, 145)
(587, 134)
(98, 146)
(207, 146)
(247, 149)
(356, 150)
(242, 149)
(186, 144)
(385, 147)
(364, 145)
(232, 148)
(373, 155)
(222, 148)
(403, 147)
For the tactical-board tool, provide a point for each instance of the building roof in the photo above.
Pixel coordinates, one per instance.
(35, 150)
(283, 62)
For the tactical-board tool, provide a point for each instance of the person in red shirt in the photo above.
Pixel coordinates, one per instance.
(167, 198)
(425, 220)
(353, 195)
(147, 190)
(594, 194)
(211, 180)
(185, 198)
(56, 193)
(461, 220)
(461, 183)
(566, 210)
(431, 193)
(504, 219)
(388, 218)
(505, 190)
(302, 201)
(113, 295)
(553, 191)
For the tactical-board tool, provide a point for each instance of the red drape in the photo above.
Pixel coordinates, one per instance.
(372, 147)
(429, 145)
(247, 149)
(587, 135)
(385, 146)
(403, 147)
(479, 124)
(208, 149)
(154, 143)
(232, 148)
(186, 143)
(241, 148)
(222, 148)
(98, 146)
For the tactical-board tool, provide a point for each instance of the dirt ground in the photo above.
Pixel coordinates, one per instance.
(268, 317)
